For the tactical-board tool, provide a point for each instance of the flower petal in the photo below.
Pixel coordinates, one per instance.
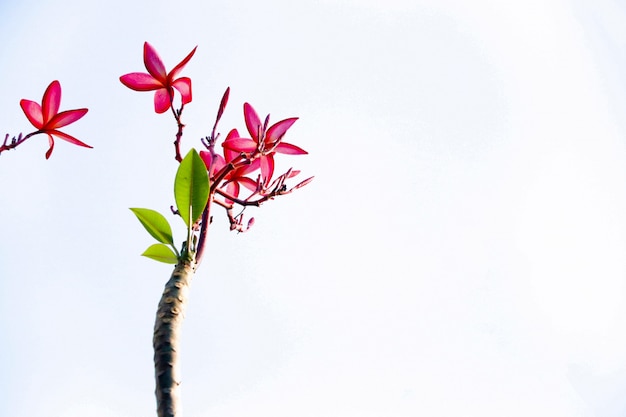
(230, 154)
(288, 148)
(33, 113)
(278, 130)
(140, 81)
(162, 100)
(267, 167)
(249, 183)
(153, 63)
(233, 134)
(65, 118)
(51, 101)
(178, 68)
(253, 123)
(218, 164)
(213, 163)
(206, 158)
(232, 188)
(70, 139)
(240, 145)
(183, 85)
(246, 169)
(51, 143)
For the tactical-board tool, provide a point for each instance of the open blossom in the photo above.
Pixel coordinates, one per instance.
(266, 141)
(47, 119)
(159, 80)
(233, 180)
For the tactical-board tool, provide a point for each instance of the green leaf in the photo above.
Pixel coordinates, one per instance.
(155, 224)
(160, 252)
(191, 188)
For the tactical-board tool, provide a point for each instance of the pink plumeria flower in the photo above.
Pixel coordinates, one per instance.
(233, 180)
(159, 80)
(266, 141)
(47, 119)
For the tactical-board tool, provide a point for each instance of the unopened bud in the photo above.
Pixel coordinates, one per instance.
(303, 183)
(223, 104)
(267, 122)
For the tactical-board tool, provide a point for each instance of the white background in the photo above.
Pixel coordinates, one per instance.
(461, 251)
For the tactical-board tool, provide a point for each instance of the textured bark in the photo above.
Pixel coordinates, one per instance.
(169, 318)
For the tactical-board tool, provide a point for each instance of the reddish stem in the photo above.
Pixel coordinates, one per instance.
(15, 142)
(179, 134)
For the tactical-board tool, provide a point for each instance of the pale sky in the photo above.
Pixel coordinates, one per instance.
(461, 252)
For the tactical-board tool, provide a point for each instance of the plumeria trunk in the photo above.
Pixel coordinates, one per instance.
(167, 328)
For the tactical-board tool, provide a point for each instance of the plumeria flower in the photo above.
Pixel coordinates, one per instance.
(47, 119)
(160, 80)
(233, 180)
(266, 141)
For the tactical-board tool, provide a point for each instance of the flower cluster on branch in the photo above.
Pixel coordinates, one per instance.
(242, 174)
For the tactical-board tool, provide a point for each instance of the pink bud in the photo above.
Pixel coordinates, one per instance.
(223, 104)
(303, 183)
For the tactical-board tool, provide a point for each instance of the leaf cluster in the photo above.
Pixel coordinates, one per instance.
(191, 193)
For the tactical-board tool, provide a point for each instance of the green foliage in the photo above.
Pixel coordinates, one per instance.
(191, 188)
(191, 192)
(162, 253)
(155, 224)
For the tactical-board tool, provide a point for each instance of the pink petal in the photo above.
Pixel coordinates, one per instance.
(246, 169)
(288, 148)
(232, 188)
(240, 145)
(278, 130)
(51, 143)
(65, 118)
(183, 85)
(162, 100)
(213, 164)
(140, 81)
(267, 167)
(51, 101)
(249, 183)
(178, 68)
(218, 164)
(153, 63)
(253, 123)
(32, 111)
(207, 158)
(233, 134)
(230, 154)
(70, 139)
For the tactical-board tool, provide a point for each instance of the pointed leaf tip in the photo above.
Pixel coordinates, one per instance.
(154, 222)
(160, 252)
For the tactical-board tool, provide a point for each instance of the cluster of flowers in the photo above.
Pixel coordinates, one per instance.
(245, 162)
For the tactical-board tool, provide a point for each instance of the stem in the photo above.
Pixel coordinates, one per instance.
(204, 229)
(15, 141)
(167, 329)
(179, 134)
